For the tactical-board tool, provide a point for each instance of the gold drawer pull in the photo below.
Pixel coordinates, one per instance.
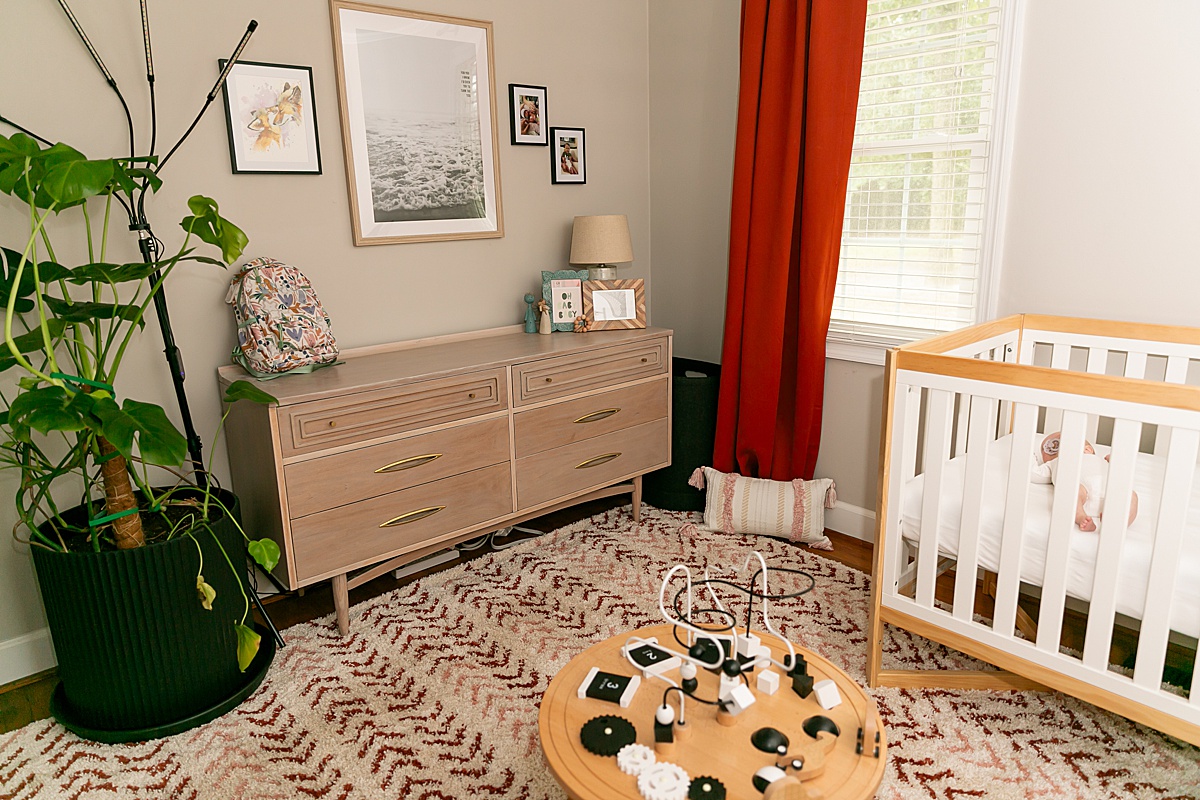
(408, 463)
(411, 516)
(597, 461)
(471, 396)
(644, 360)
(549, 380)
(333, 423)
(596, 416)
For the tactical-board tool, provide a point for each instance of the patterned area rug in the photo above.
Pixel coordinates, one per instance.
(434, 694)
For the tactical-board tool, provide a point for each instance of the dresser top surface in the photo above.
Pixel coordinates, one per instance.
(376, 367)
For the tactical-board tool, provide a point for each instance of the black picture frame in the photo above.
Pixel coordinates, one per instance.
(519, 97)
(568, 162)
(241, 153)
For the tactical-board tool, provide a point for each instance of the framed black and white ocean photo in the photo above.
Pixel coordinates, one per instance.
(418, 124)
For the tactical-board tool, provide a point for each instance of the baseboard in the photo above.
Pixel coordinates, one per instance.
(851, 520)
(26, 655)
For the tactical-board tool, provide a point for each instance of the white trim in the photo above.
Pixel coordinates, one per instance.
(999, 175)
(856, 351)
(26, 655)
(851, 520)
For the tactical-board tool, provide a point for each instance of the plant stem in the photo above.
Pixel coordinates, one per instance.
(118, 497)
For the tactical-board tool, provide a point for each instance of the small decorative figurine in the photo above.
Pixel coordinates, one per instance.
(531, 322)
(544, 324)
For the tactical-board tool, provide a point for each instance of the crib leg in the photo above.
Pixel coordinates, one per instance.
(1026, 625)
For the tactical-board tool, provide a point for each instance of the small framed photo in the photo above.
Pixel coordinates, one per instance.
(272, 119)
(568, 156)
(527, 114)
(563, 293)
(618, 304)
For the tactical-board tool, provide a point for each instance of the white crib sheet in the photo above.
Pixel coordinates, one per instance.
(1136, 551)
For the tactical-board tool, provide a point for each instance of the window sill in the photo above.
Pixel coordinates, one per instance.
(860, 352)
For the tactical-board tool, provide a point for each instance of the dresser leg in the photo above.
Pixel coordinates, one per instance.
(637, 499)
(341, 602)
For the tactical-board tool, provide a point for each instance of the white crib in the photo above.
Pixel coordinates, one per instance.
(963, 535)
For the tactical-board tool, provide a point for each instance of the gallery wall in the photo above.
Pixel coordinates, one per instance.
(592, 57)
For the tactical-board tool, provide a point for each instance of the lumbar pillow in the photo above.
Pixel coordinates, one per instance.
(793, 510)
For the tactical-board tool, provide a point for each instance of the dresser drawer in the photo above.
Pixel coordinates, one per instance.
(332, 481)
(591, 463)
(318, 424)
(571, 421)
(335, 540)
(564, 375)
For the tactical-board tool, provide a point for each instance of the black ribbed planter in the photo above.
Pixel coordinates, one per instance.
(138, 656)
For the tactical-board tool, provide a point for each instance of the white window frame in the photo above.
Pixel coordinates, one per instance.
(873, 350)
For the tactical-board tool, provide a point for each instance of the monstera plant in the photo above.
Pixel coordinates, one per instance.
(105, 482)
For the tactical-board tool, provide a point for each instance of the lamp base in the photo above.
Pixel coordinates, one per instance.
(602, 272)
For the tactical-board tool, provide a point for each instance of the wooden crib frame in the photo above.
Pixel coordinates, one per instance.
(959, 393)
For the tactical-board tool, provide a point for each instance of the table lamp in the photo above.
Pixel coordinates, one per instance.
(600, 241)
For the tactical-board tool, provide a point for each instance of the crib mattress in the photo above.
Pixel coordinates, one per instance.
(1136, 551)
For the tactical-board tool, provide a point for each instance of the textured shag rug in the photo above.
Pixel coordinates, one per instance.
(435, 692)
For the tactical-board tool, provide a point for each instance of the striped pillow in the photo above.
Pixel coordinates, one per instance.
(793, 510)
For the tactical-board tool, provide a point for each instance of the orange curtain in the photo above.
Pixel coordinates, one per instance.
(800, 67)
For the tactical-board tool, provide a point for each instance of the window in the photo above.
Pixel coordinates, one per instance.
(922, 199)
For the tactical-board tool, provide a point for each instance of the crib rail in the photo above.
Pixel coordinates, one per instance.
(964, 414)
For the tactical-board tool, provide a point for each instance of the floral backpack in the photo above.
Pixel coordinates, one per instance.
(281, 325)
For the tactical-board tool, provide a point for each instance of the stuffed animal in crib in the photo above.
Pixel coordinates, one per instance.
(1093, 481)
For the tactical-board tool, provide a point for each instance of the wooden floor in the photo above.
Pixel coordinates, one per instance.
(28, 699)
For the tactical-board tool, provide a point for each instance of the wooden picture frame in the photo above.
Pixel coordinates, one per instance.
(271, 116)
(570, 308)
(615, 305)
(568, 155)
(416, 93)
(527, 114)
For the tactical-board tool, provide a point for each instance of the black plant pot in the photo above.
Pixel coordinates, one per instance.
(138, 656)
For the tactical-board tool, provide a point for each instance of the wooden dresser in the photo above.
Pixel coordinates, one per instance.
(407, 449)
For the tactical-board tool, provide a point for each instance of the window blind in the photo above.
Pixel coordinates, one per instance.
(915, 203)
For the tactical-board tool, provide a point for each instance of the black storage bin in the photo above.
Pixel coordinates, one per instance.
(694, 426)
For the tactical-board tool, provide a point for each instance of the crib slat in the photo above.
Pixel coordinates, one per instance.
(903, 465)
(1015, 504)
(1060, 358)
(1135, 365)
(1194, 694)
(937, 450)
(1101, 611)
(962, 418)
(1182, 447)
(1177, 368)
(1097, 364)
(912, 426)
(1062, 524)
(983, 423)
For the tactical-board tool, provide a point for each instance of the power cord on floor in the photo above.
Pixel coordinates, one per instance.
(490, 539)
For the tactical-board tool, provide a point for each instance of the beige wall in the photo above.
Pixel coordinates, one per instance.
(1103, 213)
(592, 57)
(693, 116)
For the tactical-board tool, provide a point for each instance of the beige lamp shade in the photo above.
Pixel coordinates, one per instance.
(599, 241)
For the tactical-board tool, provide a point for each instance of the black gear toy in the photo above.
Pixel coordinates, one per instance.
(705, 788)
(607, 734)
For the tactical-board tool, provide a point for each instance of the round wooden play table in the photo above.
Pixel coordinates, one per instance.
(834, 769)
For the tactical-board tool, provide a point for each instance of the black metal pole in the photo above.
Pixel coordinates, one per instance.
(148, 247)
